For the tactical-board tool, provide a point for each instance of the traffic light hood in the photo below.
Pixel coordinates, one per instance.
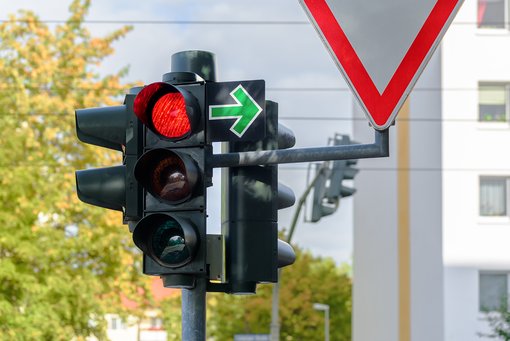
(104, 127)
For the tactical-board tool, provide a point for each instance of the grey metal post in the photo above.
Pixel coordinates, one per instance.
(193, 311)
(326, 325)
(194, 300)
(380, 148)
(275, 317)
(325, 309)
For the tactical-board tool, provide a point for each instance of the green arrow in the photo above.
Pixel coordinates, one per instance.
(245, 111)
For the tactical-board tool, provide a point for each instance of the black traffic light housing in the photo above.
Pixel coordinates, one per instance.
(119, 129)
(250, 214)
(172, 171)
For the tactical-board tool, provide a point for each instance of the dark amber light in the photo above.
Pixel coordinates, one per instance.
(169, 180)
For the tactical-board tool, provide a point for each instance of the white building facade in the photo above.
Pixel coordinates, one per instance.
(432, 222)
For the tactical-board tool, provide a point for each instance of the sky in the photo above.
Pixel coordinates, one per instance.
(300, 75)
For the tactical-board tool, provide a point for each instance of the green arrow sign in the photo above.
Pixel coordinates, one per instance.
(245, 111)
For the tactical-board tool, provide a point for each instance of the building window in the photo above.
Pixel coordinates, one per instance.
(116, 323)
(492, 13)
(156, 323)
(493, 291)
(493, 196)
(493, 102)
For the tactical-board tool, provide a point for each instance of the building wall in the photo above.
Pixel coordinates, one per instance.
(375, 263)
(377, 266)
(451, 244)
(130, 330)
(471, 149)
(426, 206)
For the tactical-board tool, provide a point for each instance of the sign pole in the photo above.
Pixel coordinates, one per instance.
(380, 148)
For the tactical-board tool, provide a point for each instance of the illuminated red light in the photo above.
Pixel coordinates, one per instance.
(162, 108)
(169, 116)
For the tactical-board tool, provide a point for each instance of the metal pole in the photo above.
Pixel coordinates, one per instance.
(275, 317)
(326, 324)
(194, 301)
(380, 148)
(301, 202)
(325, 309)
(193, 312)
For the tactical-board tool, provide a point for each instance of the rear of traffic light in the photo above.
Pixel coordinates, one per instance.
(329, 187)
(172, 232)
(252, 199)
(114, 128)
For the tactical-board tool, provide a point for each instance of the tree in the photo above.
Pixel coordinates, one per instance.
(499, 321)
(310, 280)
(172, 317)
(62, 263)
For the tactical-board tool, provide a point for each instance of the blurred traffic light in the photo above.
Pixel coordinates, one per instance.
(252, 199)
(329, 187)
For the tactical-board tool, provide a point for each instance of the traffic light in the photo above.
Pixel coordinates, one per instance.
(329, 187)
(115, 128)
(251, 202)
(172, 172)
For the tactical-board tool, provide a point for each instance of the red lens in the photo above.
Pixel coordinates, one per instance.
(169, 116)
(162, 108)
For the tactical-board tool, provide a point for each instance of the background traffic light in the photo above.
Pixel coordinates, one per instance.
(329, 187)
(172, 171)
(252, 197)
(119, 129)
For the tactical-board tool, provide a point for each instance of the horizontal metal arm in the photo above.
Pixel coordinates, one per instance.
(380, 148)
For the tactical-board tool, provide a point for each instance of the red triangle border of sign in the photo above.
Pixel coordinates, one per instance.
(380, 106)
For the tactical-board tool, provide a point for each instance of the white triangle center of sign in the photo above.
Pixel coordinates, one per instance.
(379, 33)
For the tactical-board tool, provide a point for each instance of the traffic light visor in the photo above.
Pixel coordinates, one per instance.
(163, 108)
(167, 175)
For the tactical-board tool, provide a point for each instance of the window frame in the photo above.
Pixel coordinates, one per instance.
(507, 295)
(506, 180)
(506, 86)
(506, 26)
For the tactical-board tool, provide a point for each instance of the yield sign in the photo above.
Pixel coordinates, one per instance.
(381, 46)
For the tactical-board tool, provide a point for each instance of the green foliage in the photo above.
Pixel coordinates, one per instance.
(172, 322)
(310, 280)
(60, 260)
(499, 322)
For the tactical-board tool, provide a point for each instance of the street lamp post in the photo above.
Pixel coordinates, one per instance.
(325, 308)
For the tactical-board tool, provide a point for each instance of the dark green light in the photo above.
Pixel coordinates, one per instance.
(169, 244)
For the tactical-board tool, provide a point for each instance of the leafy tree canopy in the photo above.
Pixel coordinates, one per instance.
(310, 280)
(60, 260)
